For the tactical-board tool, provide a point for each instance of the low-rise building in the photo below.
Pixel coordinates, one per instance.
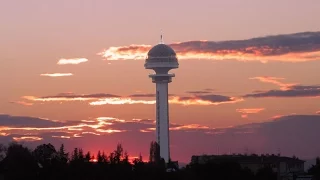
(287, 168)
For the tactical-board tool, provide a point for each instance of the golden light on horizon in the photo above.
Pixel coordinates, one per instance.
(262, 54)
(192, 100)
(27, 138)
(250, 110)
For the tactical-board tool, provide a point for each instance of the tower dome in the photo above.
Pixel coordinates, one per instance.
(161, 50)
(161, 57)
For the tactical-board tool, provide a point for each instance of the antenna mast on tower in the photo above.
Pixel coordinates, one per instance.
(161, 38)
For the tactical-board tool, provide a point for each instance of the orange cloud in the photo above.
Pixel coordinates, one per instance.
(277, 116)
(247, 111)
(4, 134)
(77, 135)
(91, 133)
(72, 61)
(139, 52)
(103, 119)
(126, 52)
(173, 100)
(27, 138)
(250, 110)
(120, 101)
(22, 103)
(280, 116)
(297, 47)
(33, 98)
(151, 129)
(79, 127)
(276, 81)
(70, 97)
(286, 89)
(145, 121)
(180, 127)
(198, 101)
(104, 99)
(244, 116)
(97, 127)
(57, 74)
(62, 137)
(109, 131)
(143, 130)
(189, 127)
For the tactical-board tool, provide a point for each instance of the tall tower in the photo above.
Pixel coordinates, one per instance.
(162, 58)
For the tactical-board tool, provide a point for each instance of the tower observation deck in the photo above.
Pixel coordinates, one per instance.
(162, 58)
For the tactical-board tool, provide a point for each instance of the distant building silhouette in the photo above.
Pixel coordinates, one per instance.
(285, 167)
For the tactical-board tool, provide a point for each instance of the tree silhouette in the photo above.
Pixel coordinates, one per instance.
(75, 155)
(315, 169)
(111, 158)
(104, 158)
(80, 155)
(59, 164)
(63, 156)
(19, 163)
(44, 154)
(118, 154)
(47, 157)
(125, 157)
(138, 166)
(151, 152)
(154, 152)
(138, 160)
(99, 157)
(2, 151)
(266, 173)
(87, 156)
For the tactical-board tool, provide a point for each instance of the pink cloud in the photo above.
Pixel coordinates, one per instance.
(22, 103)
(247, 111)
(244, 116)
(276, 81)
(72, 61)
(56, 74)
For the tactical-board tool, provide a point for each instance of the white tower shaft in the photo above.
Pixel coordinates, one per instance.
(162, 58)
(162, 119)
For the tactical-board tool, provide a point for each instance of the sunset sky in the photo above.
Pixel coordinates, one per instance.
(72, 72)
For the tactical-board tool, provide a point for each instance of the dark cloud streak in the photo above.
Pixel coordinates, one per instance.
(72, 95)
(298, 47)
(294, 91)
(198, 92)
(266, 46)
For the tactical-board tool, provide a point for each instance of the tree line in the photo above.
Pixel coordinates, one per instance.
(46, 162)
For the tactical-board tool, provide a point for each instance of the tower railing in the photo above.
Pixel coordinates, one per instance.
(151, 59)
